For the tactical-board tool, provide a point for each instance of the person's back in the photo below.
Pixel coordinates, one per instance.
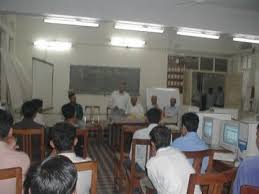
(190, 141)
(248, 171)
(168, 169)
(29, 112)
(63, 141)
(9, 156)
(153, 117)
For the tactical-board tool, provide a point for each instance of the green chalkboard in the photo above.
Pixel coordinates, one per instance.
(101, 80)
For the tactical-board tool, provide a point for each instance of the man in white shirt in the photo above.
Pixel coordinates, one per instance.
(154, 104)
(120, 98)
(210, 99)
(153, 117)
(63, 141)
(168, 169)
(219, 97)
(135, 109)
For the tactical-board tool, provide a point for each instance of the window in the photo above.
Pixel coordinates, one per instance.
(191, 63)
(221, 65)
(206, 64)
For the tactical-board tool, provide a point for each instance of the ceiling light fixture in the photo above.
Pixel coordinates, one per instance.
(127, 42)
(52, 45)
(72, 21)
(198, 33)
(246, 38)
(135, 26)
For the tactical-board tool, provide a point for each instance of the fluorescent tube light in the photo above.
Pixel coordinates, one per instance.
(246, 38)
(143, 27)
(52, 45)
(198, 33)
(71, 21)
(127, 42)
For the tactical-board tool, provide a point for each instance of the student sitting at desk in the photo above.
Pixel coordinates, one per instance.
(168, 169)
(248, 171)
(153, 117)
(135, 109)
(190, 141)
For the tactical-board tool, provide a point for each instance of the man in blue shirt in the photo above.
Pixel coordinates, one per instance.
(190, 141)
(248, 171)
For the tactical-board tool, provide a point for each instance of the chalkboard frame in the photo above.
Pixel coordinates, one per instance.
(113, 74)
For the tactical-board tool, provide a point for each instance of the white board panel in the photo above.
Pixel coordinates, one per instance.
(42, 76)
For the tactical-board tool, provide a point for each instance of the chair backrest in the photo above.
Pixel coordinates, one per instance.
(143, 142)
(248, 189)
(198, 157)
(214, 181)
(92, 114)
(84, 134)
(26, 135)
(90, 165)
(13, 173)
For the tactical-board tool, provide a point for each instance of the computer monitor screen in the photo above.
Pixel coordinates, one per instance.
(230, 134)
(207, 127)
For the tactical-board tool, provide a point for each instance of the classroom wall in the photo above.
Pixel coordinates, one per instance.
(90, 47)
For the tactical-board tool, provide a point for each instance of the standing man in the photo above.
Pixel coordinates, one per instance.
(219, 97)
(210, 99)
(78, 107)
(120, 99)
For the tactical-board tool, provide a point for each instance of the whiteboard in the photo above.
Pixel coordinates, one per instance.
(42, 77)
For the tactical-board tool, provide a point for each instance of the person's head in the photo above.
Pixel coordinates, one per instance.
(38, 103)
(257, 137)
(6, 122)
(29, 110)
(72, 97)
(153, 115)
(63, 137)
(69, 112)
(154, 100)
(172, 101)
(160, 137)
(190, 122)
(54, 175)
(210, 90)
(134, 100)
(122, 86)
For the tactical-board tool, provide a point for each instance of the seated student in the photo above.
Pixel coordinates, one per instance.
(153, 118)
(9, 156)
(248, 171)
(38, 103)
(78, 107)
(168, 169)
(172, 110)
(190, 141)
(63, 141)
(54, 175)
(29, 112)
(69, 113)
(135, 109)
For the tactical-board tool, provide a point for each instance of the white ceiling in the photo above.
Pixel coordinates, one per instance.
(229, 16)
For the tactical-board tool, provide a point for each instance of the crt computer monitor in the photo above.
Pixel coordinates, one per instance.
(211, 130)
(229, 135)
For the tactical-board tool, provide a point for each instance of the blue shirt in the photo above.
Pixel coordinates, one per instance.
(247, 174)
(191, 142)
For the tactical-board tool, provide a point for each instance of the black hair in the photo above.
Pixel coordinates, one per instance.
(70, 94)
(6, 122)
(29, 109)
(54, 175)
(63, 135)
(38, 103)
(190, 121)
(153, 115)
(68, 111)
(160, 136)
